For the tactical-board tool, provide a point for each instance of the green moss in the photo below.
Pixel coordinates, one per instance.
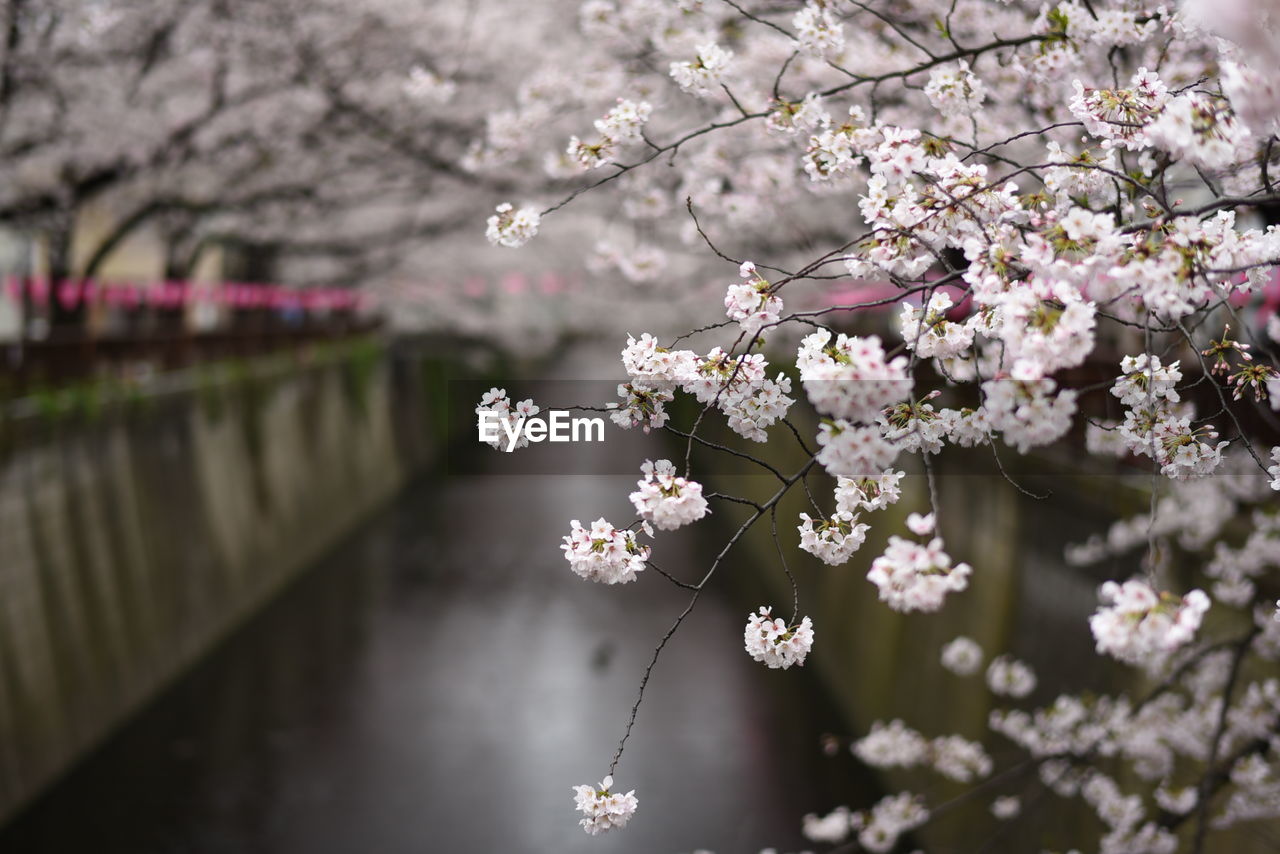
(211, 389)
(360, 364)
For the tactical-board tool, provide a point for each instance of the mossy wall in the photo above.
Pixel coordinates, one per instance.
(133, 538)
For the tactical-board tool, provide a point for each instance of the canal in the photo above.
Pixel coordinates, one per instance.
(438, 683)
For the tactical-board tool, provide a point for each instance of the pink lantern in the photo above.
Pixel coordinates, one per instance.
(69, 294)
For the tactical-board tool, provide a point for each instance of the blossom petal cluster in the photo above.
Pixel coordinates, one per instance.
(1010, 677)
(751, 303)
(739, 386)
(1140, 626)
(621, 125)
(512, 228)
(850, 377)
(916, 576)
(603, 553)
(855, 494)
(1158, 425)
(955, 91)
(666, 500)
(510, 417)
(849, 450)
(700, 75)
(771, 641)
(894, 815)
(832, 540)
(895, 745)
(1031, 190)
(817, 29)
(962, 656)
(602, 809)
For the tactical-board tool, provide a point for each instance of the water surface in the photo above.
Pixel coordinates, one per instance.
(438, 683)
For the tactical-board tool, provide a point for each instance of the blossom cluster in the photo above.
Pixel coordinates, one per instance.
(877, 829)
(751, 303)
(771, 641)
(1139, 626)
(1156, 425)
(917, 576)
(621, 125)
(509, 415)
(850, 378)
(895, 745)
(602, 809)
(1038, 189)
(512, 228)
(603, 553)
(700, 75)
(739, 386)
(832, 540)
(666, 500)
(962, 656)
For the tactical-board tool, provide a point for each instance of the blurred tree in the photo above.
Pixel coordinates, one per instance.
(323, 129)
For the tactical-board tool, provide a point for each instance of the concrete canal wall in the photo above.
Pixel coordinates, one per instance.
(134, 535)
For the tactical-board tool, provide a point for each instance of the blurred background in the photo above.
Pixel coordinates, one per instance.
(262, 591)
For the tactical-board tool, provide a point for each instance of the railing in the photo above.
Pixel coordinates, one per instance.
(72, 355)
(149, 331)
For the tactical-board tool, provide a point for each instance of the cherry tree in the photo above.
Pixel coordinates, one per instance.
(1045, 188)
(327, 133)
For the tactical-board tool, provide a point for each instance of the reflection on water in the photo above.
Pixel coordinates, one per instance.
(439, 683)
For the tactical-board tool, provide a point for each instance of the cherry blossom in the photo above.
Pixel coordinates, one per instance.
(955, 91)
(667, 500)
(850, 378)
(1140, 626)
(1006, 807)
(852, 451)
(892, 745)
(1010, 677)
(817, 29)
(832, 540)
(509, 419)
(920, 525)
(868, 493)
(602, 809)
(772, 642)
(962, 656)
(916, 577)
(832, 828)
(512, 228)
(702, 74)
(750, 303)
(891, 817)
(1057, 207)
(604, 553)
(1023, 193)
